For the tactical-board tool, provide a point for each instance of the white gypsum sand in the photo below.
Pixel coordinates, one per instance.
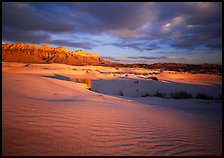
(45, 111)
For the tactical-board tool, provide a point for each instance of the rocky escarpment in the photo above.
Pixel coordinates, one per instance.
(30, 53)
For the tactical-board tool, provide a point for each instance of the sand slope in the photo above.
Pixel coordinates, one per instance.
(50, 116)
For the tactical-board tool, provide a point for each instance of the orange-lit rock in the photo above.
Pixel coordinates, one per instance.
(30, 53)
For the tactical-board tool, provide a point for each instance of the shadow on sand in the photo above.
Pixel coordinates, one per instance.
(59, 77)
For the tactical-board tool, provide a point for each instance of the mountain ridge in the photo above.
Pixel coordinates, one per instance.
(20, 52)
(31, 53)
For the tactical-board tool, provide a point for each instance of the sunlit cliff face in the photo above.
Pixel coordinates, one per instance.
(82, 53)
(30, 53)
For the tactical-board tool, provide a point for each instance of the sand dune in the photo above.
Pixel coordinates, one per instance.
(45, 115)
(129, 87)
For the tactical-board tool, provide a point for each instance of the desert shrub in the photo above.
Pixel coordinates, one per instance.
(145, 95)
(88, 82)
(78, 80)
(180, 95)
(220, 96)
(203, 96)
(154, 78)
(121, 93)
(159, 94)
(27, 65)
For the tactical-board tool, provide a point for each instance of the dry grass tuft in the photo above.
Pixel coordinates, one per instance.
(88, 82)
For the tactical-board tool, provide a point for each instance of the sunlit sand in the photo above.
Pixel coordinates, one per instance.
(47, 109)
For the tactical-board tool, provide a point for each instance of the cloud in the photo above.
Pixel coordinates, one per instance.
(151, 47)
(142, 26)
(200, 25)
(22, 16)
(84, 45)
(115, 15)
(138, 46)
(148, 58)
(24, 36)
(161, 52)
(194, 12)
(198, 36)
(110, 58)
(182, 58)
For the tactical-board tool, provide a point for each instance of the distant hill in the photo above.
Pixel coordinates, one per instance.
(192, 68)
(30, 53)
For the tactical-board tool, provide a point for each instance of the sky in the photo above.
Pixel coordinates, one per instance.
(127, 32)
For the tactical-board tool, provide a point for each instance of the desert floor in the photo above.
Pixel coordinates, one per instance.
(45, 111)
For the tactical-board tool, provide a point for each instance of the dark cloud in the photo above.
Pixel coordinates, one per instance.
(84, 45)
(22, 16)
(24, 36)
(194, 12)
(115, 15)
(200, 25)
(110, 58)
(152, 47)
(206, 13)
(182, 58)
(199, 36)
(162, 52)
(148, 58)
(141, 26)
(138, 46)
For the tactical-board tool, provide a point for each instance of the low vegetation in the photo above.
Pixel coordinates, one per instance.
(203, 96)
(88, 82)
(145, 95)
(121, 93)
(78, 80)
(27, 65)
(181, 95)
(154, 78)
(159, 94)
(98, 70)
(175, 95)
(220, 96)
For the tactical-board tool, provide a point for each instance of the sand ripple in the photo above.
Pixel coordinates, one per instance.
(99, 125)
(98, 130)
